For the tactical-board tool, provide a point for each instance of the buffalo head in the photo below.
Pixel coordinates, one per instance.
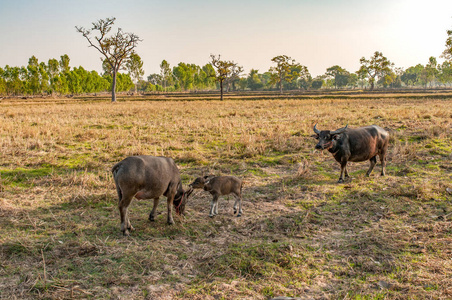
(326, 138)
(199, 182)
(181, 199)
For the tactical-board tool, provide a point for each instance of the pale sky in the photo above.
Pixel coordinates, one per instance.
(316, 33)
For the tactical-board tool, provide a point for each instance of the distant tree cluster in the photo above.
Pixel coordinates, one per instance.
(56, 77)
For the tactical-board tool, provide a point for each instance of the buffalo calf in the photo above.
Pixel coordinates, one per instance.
(218, 186)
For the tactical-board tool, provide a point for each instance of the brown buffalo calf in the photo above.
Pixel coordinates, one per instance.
(219, 186)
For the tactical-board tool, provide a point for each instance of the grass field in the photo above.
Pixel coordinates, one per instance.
(301, 233)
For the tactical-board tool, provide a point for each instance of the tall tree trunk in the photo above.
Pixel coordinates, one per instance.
(113, 87)
(221, 89)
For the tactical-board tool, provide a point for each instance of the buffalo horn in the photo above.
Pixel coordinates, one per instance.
(316, 130)
(340, 130)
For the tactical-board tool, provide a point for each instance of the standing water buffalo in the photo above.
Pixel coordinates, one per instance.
(359, 144)
(148, 177)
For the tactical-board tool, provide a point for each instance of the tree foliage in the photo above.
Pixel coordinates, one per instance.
(55, 77)
(376, 67)
(447, 53)
(284, 71)
(226, 71)
(134, 65)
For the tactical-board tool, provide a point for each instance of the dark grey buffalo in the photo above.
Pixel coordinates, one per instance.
(218, 186)
(360, 144)
(148, 177)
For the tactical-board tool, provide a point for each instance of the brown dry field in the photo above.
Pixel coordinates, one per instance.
(301, 233)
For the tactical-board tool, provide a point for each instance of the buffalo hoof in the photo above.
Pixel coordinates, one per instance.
(170, 222)
(340, 180)
(211, 216)
(239, 215)
(126, 232)
(235, 211)
(152, 218)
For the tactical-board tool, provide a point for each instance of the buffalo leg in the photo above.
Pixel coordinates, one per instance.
(346, 172)
(239, 201)
(343, 170)
(126, 227)
(383, 163)
(213, 205)
(170, 199)
(216, 207)
(154, 210)
(373, 161)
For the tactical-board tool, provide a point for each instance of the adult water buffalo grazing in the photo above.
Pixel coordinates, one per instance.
(360, 144)
(218, 186)
(148, 177)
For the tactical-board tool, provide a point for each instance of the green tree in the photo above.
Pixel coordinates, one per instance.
(352, 80)
(2, 82)
(31, 76)
(445, 72)
(412, 75)
(209, 79)
(185, 75)
(304, 78)
(317, 83)
(155, 79)
(53, 71)
(116, 48)
(284, 71)
(254, 83)
(339, 75)
(361, 76)
(44, 77)
(376, 67)
(225, 70)
(124, 83)
(166, 74)
(134, 65)
(431, 71)
(64, 63)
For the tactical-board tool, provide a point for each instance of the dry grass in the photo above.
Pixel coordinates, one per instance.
(301, 234)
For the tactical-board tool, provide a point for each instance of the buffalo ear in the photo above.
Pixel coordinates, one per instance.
(316, 136)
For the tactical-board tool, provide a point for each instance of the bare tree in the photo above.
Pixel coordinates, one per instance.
(226, 70)
(115, 48)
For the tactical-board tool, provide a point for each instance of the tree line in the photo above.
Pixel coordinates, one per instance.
(56, 76)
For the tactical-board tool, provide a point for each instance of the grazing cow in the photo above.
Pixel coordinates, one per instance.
(148, 177)
(359, 144)
(218, 186)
